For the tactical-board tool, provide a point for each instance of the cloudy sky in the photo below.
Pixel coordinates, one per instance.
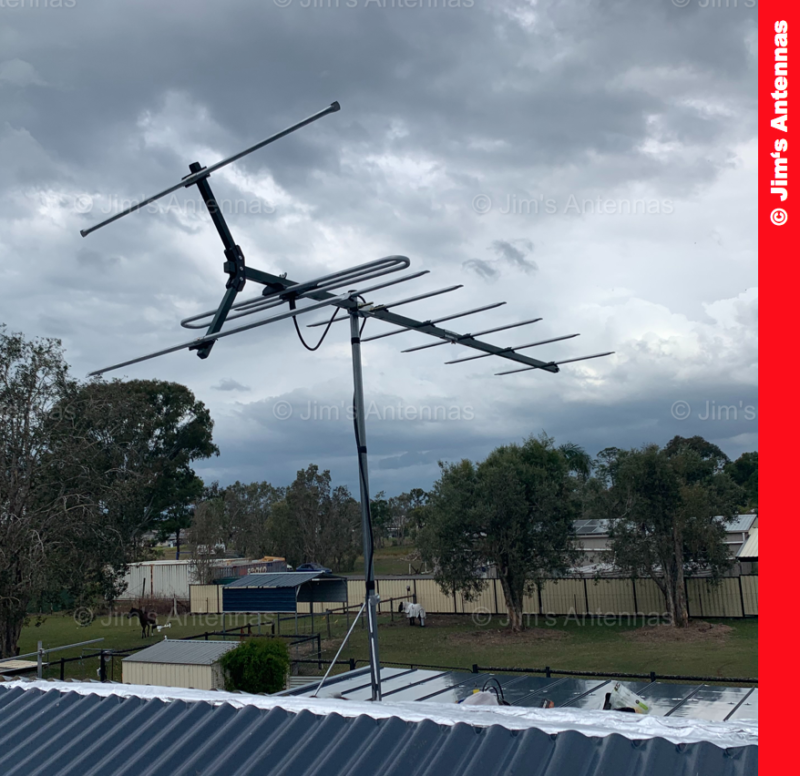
(590, 163)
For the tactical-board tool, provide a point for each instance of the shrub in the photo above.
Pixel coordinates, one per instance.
(256, 665)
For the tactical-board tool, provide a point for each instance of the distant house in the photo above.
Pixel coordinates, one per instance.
(592, 537)
(191, 664)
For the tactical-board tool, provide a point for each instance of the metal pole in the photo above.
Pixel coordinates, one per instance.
(201, 174)
(371, 598)
(339, 652)
(39, 652)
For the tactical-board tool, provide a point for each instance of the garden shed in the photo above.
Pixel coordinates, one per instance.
(178, 663)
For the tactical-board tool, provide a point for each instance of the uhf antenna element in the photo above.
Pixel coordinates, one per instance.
(346, 291)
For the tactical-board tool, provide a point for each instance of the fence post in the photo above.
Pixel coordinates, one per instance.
(475, 668)
(319, 653)
(741, 593)
(61, 672)
(652, 676)
(635, 602)
(102, 666)
(352, 664)
(38, 660)
(328, 618)
(547, 671)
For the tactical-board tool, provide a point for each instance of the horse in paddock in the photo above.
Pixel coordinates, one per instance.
(413, 612)
(148, 620)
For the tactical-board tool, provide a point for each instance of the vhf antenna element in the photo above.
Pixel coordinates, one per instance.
(346, 291)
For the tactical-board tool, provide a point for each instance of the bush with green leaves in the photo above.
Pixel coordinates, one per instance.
(256, 665)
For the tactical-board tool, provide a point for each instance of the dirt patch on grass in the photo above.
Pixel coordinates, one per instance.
(697, 631)
(498, 637)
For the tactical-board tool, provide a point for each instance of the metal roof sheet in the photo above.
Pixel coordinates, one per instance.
(712, 702)
(282, 579)
(57, 733)
(740, 523)
(180, 652)
(750, 547)
(597, 527)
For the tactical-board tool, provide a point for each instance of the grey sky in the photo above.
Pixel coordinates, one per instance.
(592, 163)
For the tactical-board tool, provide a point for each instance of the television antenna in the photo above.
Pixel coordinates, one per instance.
(293, 299)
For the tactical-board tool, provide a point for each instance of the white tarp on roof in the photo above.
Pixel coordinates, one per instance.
(589, 723)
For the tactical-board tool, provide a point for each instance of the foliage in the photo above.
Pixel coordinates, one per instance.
(664, 506)
(382, 518)
(85, 470)
(744, 472)
(408, 513)
(256, 666)
(316, 523)
(150, 432)
(514, 512)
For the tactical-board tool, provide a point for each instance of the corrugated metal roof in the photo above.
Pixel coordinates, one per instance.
(750, 547)
(284, 579)
(54, 733)
(598, 527)
(740, 523)
(179, 652)
(712, 702)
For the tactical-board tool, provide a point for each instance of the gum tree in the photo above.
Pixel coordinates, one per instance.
(668, 510)
(513, 512)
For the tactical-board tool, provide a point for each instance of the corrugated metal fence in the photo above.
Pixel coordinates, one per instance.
(733, 597)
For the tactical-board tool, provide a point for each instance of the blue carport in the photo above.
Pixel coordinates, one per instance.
(280, 593)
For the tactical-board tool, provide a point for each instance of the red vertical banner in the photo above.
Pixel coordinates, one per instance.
(778, 223)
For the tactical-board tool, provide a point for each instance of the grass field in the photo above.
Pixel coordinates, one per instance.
(591, 645)
(388, 561)
(448, 640)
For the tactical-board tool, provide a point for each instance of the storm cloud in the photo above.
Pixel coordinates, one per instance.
(592, 164)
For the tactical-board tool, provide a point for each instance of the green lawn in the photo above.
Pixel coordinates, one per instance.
(449, 640)
(594, 645)
(388, 562)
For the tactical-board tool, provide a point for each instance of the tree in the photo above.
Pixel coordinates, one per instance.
(205, 538)
(514, 511)
(408, 513)
(665, 508)
(85, 469)
(316, 522)
(149, 433)
(381, 514)
(744, 472)
(34, 526)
